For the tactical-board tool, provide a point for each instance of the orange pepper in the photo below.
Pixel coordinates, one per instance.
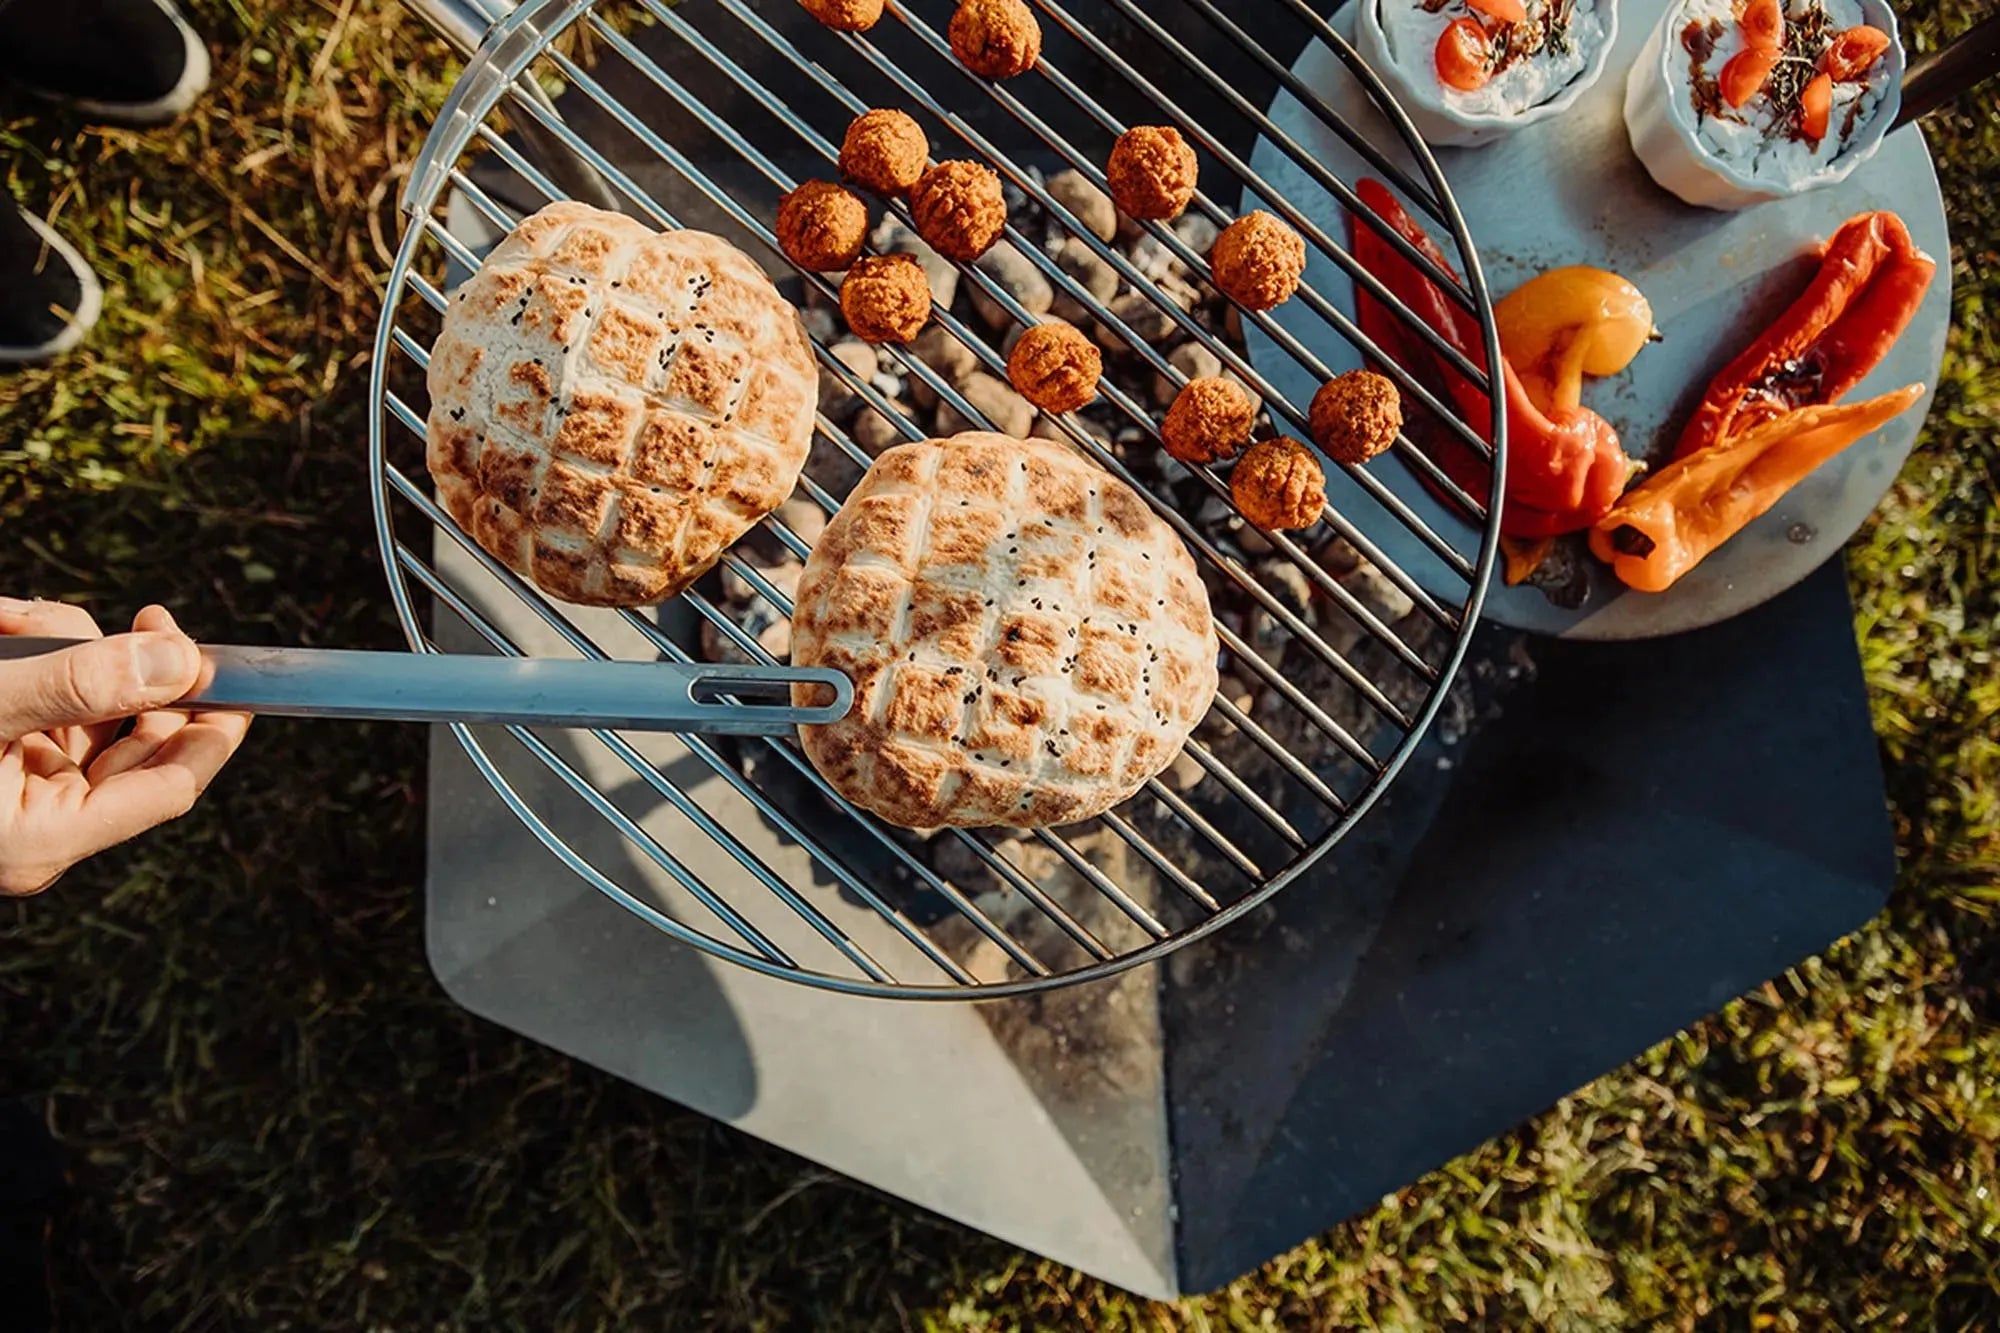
(1564, 469)
(1667, 525)
(1871, 279)
(1568, 323)
(1520, 557)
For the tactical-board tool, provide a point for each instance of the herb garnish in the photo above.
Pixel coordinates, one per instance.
(1807, 35)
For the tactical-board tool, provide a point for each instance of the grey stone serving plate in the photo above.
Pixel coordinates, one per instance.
(1569, 191)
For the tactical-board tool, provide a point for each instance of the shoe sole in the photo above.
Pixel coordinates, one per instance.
(161, 110)
(88, 305)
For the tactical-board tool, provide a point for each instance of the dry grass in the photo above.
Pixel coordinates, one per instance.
(276, 1121)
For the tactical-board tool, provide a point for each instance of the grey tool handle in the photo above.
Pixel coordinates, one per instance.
(1945, 75)
(529, 691)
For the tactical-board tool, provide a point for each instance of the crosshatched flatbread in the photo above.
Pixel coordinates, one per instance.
(612, 406)
(1028, 642)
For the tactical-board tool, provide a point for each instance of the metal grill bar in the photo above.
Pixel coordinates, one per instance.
(992, 859)
(1057, 277)
(1222, 773)
(590, 87)
(1229, 356)
(493, 636)
(626, 825)
(1325, 179)
(1419, 194)
(500, 74)
(798, 547)
(585, 646)
(1286, 759)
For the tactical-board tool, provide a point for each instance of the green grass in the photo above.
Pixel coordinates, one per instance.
(276, 1121)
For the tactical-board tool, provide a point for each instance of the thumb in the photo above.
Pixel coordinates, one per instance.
(94, 682)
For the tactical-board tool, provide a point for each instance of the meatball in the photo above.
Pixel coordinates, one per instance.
(1152, 172)
(1210, 421)
(1055, 367)
(844, 15)
(1356, 416)
(884, 151)
(886, 298)
(996, 39)
(1279, 485)
(1257, 261)
(959, 209)
(821, 226)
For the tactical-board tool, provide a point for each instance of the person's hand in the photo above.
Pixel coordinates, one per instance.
(70, 785)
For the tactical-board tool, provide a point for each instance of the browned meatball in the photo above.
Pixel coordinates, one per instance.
(1210, 421)
(1356, 416)
(1152, 172)
(821, 226)
(886, 298)
(844, 15)
(1055, 367)
(959, 209)
(1257, 261)
(884, 151)
(1279, 485)
(996, 39)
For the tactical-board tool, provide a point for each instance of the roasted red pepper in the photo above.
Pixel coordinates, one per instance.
(1770, 417)
(1871, 279)
(1565, 470)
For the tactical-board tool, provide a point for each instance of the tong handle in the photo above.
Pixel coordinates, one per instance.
(526, 691)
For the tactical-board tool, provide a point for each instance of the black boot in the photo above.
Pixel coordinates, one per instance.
(135, 62)
(31, 1182)
(49, 298)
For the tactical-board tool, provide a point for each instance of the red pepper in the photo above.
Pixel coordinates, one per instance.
(1564, 472)
(1871, 279)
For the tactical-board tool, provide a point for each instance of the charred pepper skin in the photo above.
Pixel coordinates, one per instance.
(1771, 416)
(1871, 279)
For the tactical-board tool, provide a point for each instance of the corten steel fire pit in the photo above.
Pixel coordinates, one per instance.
(1277, 790)
(1593, 846)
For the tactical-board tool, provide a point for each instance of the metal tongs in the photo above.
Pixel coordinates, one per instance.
(527, 691)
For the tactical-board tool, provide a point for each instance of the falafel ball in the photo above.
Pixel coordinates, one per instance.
(1055, 367)
(1356, 416)
(959, 209)
(844, 15)
(1279, 485)
(886, 298)
(821, 226)
(996, 39)
(1210, 421)
(1152, 172)
(884, 151)
(1257, 261)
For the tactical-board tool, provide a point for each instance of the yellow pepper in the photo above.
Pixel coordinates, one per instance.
(1567, 323)
(1667, 525)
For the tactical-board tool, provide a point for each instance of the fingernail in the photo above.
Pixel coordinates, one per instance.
(14, 606)
(163, 660)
